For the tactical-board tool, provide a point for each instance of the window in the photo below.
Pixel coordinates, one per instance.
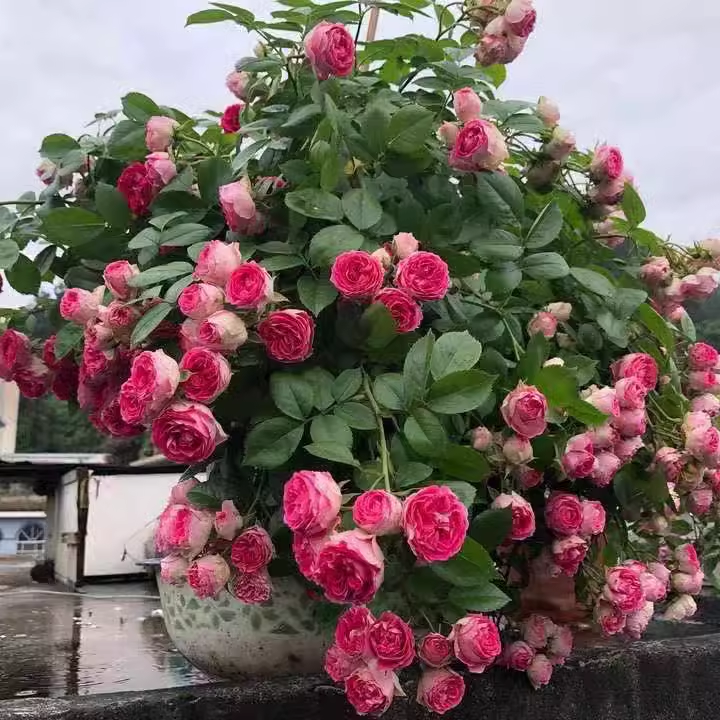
(31, 539)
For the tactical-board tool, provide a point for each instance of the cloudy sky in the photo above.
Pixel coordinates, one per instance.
(641, 74)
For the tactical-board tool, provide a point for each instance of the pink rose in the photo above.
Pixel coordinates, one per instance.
(494, 47)
(561, 146)
(688, 584)
(383, 256)
(240, 213)
(700, 286)
(476, 641)
(159, 131)
(423, 275)
(173, 569)
(497, 152)
(391, 643)
(183, 529)
(33, 379)
(331, 50)
(702, 356)
(228, 521)
(305, 549)
(628, 448)
(560, 311)
(681, 608)
(339, 666)
(206, 375)
(311, 502)
(351, 631)
(155, 377)
(579, 461)
(80, 306)
(252, 550)
(440, 690)
(536, 629)
(540, 671)
(656, 271)
(706, 403)
(111, 422)
(544, 323)
(523, 517)
(471, 145)
(252, 588)
(700, 501)
(249, 287)
(654, 588)
(435, 650)
(482, 438)
(15, 352)
(350, 567)
(611, 619)
(704, 445)
(230, 119)
(65, 381)
(637, 622)
(357, 275)
(568, 554)
(138, 187)
(623, 589)
(371, 691)
(605, 400)
(520, 17)
(548, 112)
(448, 134)
(216, 262)
(237, 82)
(517, 450)
(560, 644)
(200, 300)
(630, 393)
(121, 318)
(467, 104)
(631, 423)
(288, 335)
(160, 169)
(518, 655)
(524, 410)
(223, 332)
(593, 518)
(378, 512)
(703, 381)
(607, 164)
(638, 365)
(404, 244)
(529, 477)
(179, 492)
(660, 572)
(564, 513)
(187, 433)
(435, 523)
(687, 559)
(406, 313)
(116, 276)
(607, 465)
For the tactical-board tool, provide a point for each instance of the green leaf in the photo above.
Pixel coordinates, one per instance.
(71, 226)
(157, 275)
(626, 301)
(464, 463)
(292, 394)
(497, 245)
(24, 276)
(502, 279)
(9, 253)
(464, 491)
(357, 415)
(425, 433)
(536, 354)
(632, 206)
(321, 381)
(303, 114)
(329, 242)
(500, 196)
(546, 228)
(315, 294)
(657, 325)
(378, 327)
(460, 392)
(347, 384)
(634, 487)
(111, 204)
(333, 452)
(173, 292)
(453, 352)
(484, 598)
(248, 153)
(127, 141)
(211, 174)
(471, 567)
(410, 474)
(558, 385)
(389, 392)
(204, 17)
(282, 262)
(331, 429)
(374, 124)
(147, 237)
(139, 107)
(68, 338)
(272, 442)
(586, 413)
(315, 203)
(185, 234)
(361, 208)
(410, 128)
(56, 146)
(545, 266)
(491, 527)
(593, 281)
(149, 321)
(417, 368)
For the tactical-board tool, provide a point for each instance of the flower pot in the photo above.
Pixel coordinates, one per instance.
(229, 639)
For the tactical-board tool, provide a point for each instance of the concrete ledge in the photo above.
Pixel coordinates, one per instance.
(669, 679)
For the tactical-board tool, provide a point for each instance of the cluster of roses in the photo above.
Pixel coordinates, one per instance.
(504, 25)
(555, 151)
(232, 557)
(608, 179)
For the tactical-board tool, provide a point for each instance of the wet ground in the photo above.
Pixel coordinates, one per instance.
(111, 638)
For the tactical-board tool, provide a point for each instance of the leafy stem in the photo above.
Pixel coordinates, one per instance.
(385, 457)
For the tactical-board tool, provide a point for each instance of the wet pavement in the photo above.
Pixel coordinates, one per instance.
(110, 638)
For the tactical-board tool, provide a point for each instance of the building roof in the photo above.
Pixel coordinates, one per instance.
(57, 458)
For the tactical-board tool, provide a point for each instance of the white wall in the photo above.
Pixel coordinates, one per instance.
(65, 530)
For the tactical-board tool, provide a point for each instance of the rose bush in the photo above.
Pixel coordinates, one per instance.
(431, 361)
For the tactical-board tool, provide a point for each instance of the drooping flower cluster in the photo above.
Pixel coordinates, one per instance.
(504, 27)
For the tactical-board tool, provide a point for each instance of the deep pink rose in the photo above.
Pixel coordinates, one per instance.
(467, 104)
(471, 144)
(560, 644)
(568, 554)
(357, 275)
(288, 335)
(216, 262)
(116, 276)
(305, 550)
(331, 50)
(65, 380)
(607, 163)
(152, 385)
(435, 650)
(183, 529)
(404, 244)
(704, 445)
(593, 518)
(33, 378)
(435, 523)
(623, 589)
(208, 575)
(80, 306)
(540, 671)
(638, 365)
(529, 477)
(15, 351)
(200, 300)
(423, 275)
(311, 502)
(524, 410)
(230, 119)
(523, 517)
(252, 588)
(518, 655)
(121, 318)
(391, 643)
(110, 421)
(351, 631)
(707, 403)
(610, 618)
(371, 691)
(206, 375)
(237, 82)
(476, 641)
(406, 313)
(160, 168)
(564, 513)
(702, 356)
(187, 433)
(159, 131)
(350, 567)
(173, 569)
(440, 690)
(517, 450)
(228, 520)
(637, 622)
(179, 492)
(631, 423)
(687, 559)
(339, 665)
(252, 550)
(378, 512)
(223, 331)
(656, 271)
(606, 466)
(250, 286)
(544, 323)
(536, 630)
(630, 393)
(137, 186)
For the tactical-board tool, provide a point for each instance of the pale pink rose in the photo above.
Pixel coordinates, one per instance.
(540, 671)
(578, 461)
(631, 423)
(183, 529)
(607, 465)
(228, 520)
(423, 275)
(404, 244)
(562, 144)
(681, 608)
(610, 619)
(630, 393)
(331, 50)
(701, 285)
(637, 365)
(560, 645)
(435, 650)
(46, 171)
(237, 82)
(80, 306)
(560, 311)
(350, 567)
(405, 311)
(702, 356)
(252, 550)
(378, 512)
(239, 210)
(179, 492)
(288, 335)
(391, 643)
(520, 17)
(252, 588)
(655, 589)
(603, 437)
(223, 331)
(607, 163)
(565, 341)
(383, 256)
(529, 477)
(637, 622)
(435, 523)
(494, 46)
(593, 518)
(711, 245)
(523, 517)
(476, 641)
(357, 275)
(116, 276)
(249, 287)
(688, 584)
(544, 323)
(206, 375)
(15, 353)
(704, 381)
(200, 300)
(670, 461)
(339, 666)
(704, 445)
(173, 569)
(161, 169)
(623, 589)
(482, 438)
(371, 691)
(440, 690)
(605, 400)
(524, 410)
(497, 151)
(568, 554)
(627, 449)
(707, 403)
(311, 502)
(536, 629)
(656, 271)
(351, 631)
(216, 262)
(700, 500)
(660, 572)
(159, 132)
(467, 104)
(518, 656)
(517, 450)
(448, 134)
(564, 513)
(208, 575)
(548, 112)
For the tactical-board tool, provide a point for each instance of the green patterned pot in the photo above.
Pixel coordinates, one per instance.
(229, 639)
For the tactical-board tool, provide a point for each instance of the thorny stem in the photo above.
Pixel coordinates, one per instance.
(381, 431)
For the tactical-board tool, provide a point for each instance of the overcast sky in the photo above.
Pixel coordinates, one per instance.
(641, 74)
